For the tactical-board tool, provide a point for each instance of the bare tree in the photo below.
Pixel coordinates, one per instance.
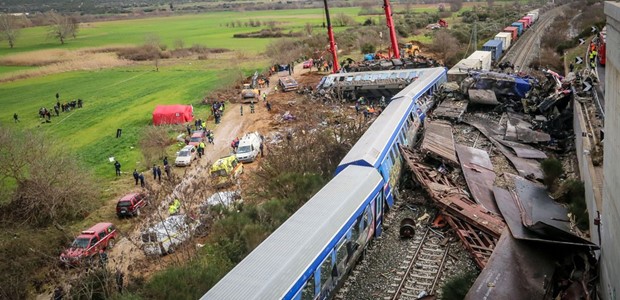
(308, 29)
(61, 26)
(284, 50)
(48, 186)
(9, 28)
(342, 20)
(152, 44)
(445, 45)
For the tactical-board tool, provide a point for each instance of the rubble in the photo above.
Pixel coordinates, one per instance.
(478, 170)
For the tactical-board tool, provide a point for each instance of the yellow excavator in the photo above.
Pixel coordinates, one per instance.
(411, 49)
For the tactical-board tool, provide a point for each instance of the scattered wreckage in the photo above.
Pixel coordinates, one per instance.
(505, 218)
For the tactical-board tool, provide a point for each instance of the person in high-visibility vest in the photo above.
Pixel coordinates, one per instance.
(174, 207)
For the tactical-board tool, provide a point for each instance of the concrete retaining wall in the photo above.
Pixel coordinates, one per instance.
(610, 253)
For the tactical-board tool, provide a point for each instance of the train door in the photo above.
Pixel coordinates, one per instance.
(378, 204)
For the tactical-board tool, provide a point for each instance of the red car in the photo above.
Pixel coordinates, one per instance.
(88, 244)
(308, 64)
(130, 204)
(196, 138)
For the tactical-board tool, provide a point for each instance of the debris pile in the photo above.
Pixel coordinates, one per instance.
(480, 164)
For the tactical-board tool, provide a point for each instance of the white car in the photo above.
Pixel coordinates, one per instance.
(165, 236)
(185, 156)
(249, 147)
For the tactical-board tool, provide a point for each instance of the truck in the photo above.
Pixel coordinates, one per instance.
(249, 147)
(249, 91)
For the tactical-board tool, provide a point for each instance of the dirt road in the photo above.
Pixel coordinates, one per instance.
(126, 255)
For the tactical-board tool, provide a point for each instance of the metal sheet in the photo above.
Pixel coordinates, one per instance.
(516, 270)
(525, 167)
(524, 132)
(523, 150)
(478, 171)
(512, 215)
(461, 207)
(439, 141)
(541, 214)
(482, 97)
(449, 109)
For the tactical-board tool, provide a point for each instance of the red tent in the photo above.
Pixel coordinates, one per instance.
(172, 114)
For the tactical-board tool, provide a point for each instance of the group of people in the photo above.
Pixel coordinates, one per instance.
(46, 114)
(368, 109)
(139, 176)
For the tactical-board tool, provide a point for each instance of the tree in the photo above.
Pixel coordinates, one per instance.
(61, 27)
(44, 183)
(152, 44)
(456, 5)
(445, 45)
(9, 28)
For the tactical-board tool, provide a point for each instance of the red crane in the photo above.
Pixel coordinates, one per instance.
(390, 25)
(332, 42)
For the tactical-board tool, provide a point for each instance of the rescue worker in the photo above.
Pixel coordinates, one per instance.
(252, 107)
(141, 176)
(165, 161)
(136, 176)
(174, 207)
(117, 167)
(15, 118)
(264, 96)
(154, 172)
(167, 170)
(268, 105)
(241, 109)
(210, 136)
(189, 129)
(159, 174)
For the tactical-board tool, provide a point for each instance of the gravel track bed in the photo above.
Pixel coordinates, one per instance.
(374, 276)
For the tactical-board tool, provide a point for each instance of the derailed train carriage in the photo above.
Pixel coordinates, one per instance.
(309, 255)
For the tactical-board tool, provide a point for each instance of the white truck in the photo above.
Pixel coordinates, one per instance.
(249, 147)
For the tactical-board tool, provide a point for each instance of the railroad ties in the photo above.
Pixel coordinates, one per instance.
(420, 272)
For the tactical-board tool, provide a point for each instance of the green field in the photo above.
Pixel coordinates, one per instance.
(115, 98)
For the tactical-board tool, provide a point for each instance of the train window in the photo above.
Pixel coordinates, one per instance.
(308, 292)
(341, 254)
(402, 138)
(355, 231)
(392, 157)
(367, 217)
(326, 270)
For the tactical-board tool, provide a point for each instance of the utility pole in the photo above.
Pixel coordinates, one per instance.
(332, 42)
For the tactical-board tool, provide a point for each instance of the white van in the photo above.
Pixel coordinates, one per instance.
(249, 147)
(185, 156)
(163, 237)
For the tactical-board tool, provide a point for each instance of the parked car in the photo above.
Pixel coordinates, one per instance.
(288, 83)
(185, 156)
(165, 236)
(308, 64)
(130, 204)
(89, 243)
(225, 170)
(249, 147)
(197, 137)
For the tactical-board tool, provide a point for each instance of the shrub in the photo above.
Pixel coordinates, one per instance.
(552, 170)
(574, 194)
(368, 48)
(457, 287)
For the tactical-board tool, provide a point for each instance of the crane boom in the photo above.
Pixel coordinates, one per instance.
(390, 25)
(332, 42)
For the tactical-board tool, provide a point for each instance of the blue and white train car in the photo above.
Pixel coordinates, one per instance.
(397, 125)
(308, 256)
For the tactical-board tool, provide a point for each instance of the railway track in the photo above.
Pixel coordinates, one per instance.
(421, 272)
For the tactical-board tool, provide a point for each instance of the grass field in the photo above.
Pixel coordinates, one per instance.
(116, 98)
